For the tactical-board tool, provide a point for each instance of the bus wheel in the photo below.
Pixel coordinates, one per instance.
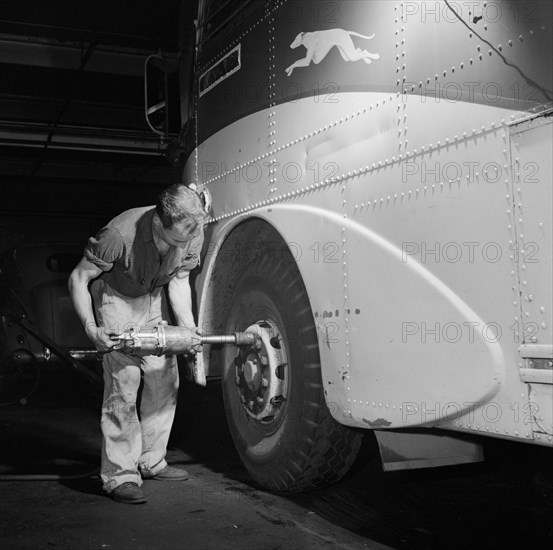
(273, 392)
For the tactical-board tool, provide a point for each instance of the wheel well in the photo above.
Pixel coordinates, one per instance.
(274, 396)
(240, 248)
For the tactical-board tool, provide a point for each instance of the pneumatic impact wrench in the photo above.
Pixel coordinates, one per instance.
(170, 340)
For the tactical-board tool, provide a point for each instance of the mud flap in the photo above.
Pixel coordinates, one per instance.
(407, 450)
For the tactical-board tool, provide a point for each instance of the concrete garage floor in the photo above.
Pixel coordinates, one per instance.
(57, 432)
(504, 503)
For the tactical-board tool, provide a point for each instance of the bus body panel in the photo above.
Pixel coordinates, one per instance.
(399, 186)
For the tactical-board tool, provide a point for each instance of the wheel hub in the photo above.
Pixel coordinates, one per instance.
(261, 376)
(252, 371)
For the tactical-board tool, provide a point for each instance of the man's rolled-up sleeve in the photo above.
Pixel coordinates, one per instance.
(105, 248)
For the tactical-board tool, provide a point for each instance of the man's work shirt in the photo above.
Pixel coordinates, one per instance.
(127, 242)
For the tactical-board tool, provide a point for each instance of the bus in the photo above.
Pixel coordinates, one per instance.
(380, 179)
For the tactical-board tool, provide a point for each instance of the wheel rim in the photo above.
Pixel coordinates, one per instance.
(261, 374)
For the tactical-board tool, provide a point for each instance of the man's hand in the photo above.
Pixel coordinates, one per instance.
(102, 340)
(198, 347)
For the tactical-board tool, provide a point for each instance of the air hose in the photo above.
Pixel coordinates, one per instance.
(47, 477)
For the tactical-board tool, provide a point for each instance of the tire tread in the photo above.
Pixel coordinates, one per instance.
(318, 450)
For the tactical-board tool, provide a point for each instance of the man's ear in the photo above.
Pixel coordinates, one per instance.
(204, 195)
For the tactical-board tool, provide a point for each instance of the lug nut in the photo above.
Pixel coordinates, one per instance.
(275, 342)
(280, 371)
(278, 400)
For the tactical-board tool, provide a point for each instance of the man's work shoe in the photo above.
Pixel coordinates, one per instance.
(168, 474)
(128, 493)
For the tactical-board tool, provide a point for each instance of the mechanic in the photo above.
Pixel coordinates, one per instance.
(119, 285)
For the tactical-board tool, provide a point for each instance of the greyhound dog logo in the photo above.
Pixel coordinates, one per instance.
(319, 43)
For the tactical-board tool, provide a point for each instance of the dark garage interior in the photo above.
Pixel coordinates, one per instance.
(75, 150)
(75, 147)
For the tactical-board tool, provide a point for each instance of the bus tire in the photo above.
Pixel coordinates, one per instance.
(301, 447)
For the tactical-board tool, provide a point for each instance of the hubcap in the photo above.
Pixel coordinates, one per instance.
(261, 373)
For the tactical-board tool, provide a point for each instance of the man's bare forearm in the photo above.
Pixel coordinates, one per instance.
(82, 301)
(80, 277)
(180, 297)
